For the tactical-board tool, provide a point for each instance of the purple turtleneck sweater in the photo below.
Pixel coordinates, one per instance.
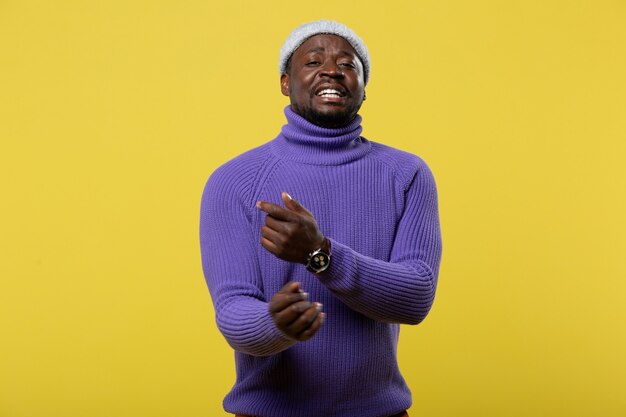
(378, 207)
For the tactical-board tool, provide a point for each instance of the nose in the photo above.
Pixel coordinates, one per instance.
(331, 69)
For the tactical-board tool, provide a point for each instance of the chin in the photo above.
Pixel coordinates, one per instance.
(329, 119)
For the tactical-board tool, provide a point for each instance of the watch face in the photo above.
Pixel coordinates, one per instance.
(319, 261)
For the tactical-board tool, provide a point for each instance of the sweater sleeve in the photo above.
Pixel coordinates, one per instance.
(402, 289)
(231, 268)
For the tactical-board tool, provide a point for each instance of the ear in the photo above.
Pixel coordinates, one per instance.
(364, 95)
(284, 84)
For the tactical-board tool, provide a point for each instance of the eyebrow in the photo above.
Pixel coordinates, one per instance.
(320, 49)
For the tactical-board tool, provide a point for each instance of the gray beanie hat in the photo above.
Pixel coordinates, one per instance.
(304, 32)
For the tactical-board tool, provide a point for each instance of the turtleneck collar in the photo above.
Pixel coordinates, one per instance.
(302, 141)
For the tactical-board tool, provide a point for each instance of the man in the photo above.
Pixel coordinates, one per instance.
(310, 293)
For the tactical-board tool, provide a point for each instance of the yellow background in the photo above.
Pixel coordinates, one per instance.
(114, 113)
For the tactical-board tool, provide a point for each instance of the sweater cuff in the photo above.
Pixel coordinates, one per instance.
(250, 329)
(343, 265)
(275, 341)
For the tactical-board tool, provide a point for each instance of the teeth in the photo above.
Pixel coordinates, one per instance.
(329, 92)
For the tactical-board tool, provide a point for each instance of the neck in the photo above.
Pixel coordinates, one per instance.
(303, 141)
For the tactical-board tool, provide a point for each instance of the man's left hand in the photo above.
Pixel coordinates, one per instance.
(289, 232)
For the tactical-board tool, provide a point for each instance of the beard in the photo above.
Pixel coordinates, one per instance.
(329, 120)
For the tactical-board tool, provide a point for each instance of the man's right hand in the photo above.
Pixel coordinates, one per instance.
(293, 314)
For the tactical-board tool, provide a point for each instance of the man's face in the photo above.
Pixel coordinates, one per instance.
(324, 81)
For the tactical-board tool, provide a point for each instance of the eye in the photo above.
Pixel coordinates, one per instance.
(347, 65)
(312, 63)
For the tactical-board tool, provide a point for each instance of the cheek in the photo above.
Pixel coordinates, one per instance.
(303, 81)
(299, 92)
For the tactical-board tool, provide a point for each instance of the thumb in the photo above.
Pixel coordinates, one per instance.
(292, 204)
(292, 287)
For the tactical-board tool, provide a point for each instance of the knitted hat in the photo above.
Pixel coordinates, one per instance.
(304, 32)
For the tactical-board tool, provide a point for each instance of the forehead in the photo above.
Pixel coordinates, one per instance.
(325, 43)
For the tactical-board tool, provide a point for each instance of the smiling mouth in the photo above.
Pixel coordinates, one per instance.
(330, 93)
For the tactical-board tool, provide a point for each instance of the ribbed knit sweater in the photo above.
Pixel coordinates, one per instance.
(378, 207)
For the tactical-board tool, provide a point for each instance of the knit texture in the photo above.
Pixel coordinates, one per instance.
(300, 34)
(378, 207)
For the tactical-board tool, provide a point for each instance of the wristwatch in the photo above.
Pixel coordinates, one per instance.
(318, 260)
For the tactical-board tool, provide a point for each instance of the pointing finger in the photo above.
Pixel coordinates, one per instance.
(293, 204)
(276, 211)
